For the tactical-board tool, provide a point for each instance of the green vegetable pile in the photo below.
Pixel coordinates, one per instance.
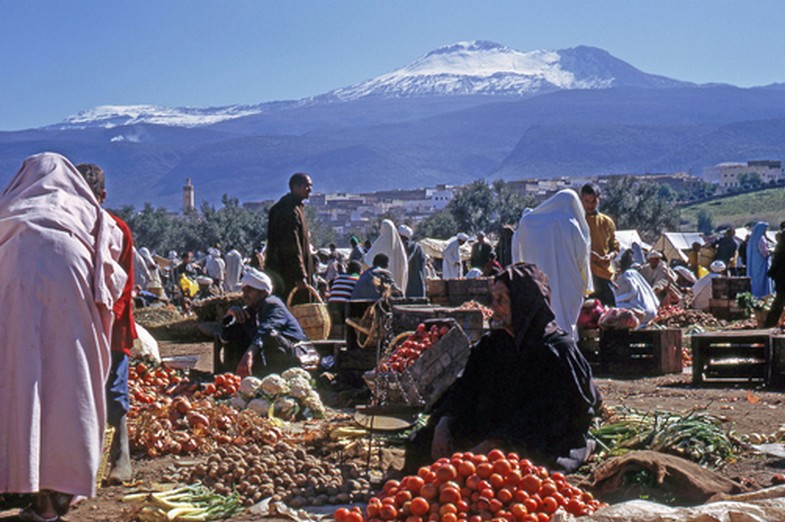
(697, 435)
(194, 503)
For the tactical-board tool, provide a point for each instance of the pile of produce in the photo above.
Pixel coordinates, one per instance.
(763, 438)
(179, 426)
(284, 472)
(473, 487)
(194, 502)
(474, 305)
(289, 396)
(697, 436)
(675, 316)
(152, 317)
(407, 352)
(214, 308)
(149, 381)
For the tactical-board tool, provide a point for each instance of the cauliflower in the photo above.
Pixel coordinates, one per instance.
(238, 402)
(249, 387)
(295, 372)
(286, 408)
(260, 406)
(299, 388)
(274, 385)
(314, 403)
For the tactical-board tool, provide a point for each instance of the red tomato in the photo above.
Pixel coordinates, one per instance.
(419, 506)
(485, 470)
(495, 455)
(504, 495)
(388, 512)
(341, 514)
(449, 495)
(531, 483)
(550, 505)
(446, 472)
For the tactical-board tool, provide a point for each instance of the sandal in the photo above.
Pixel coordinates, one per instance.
(30, 515)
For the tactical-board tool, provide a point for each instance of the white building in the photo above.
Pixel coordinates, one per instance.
(731, 175)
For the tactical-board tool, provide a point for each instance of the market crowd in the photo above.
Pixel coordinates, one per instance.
(72, 276)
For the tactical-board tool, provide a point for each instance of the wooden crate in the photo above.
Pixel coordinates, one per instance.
(589, 345)
(460, 291)
(640, 352)
(407, 317)
(742, 355)
(729, 287)
(776, 373)
(436, 288)
(726, 309)
(425, 381)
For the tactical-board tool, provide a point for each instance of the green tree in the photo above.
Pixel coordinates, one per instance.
(440, 225)
(637, 204)
(705, 222)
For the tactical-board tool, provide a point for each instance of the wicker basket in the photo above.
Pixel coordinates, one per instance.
(314, 318)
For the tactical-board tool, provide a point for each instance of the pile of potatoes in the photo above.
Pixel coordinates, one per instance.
(284, 472)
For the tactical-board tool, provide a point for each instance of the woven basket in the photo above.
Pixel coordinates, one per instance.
(314, 318)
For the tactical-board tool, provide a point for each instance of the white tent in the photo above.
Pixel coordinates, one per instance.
(627, 237)
(675, 245)
(434, 248)
(742, 232)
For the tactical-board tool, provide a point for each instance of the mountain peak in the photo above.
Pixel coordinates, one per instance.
(479, 67)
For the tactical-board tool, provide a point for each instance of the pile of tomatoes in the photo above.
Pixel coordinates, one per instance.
(407, 352)
(146, 383)
(498, 486)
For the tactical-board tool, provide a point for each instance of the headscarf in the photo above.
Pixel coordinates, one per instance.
(757, 263)
(405, 231)
(530, 302)
(390, 244)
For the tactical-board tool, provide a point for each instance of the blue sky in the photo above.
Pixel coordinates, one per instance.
(58, 57)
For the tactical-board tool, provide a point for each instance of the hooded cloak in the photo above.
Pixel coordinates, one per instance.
(556, 237)
(58, 250)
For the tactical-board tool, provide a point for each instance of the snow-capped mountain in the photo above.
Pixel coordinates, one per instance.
(110, 116)
(462, 69)
(488, 68)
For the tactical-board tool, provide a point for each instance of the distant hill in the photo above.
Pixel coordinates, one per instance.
(462, 112)
(738, 210)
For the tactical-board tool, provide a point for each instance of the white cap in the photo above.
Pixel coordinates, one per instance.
(462, 237)
(717, 266)
(404, 231)
(257, 279)
(653, 255)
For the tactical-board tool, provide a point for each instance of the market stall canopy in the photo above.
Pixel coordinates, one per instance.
(743, 232)
(675, 245)
(627, 237)
(434, 248)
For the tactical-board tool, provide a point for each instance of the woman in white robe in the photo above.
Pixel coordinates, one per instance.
(59, 280)
(555, 237)
(633, 292)
(452, 264)
(390, 244)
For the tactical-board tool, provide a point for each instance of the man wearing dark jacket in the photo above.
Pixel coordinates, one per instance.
(264, 331)
(526, 387)
(288, 257)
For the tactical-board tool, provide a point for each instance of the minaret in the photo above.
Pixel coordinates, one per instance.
(188, 197)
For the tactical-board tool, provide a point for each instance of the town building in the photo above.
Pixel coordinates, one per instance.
(735, 175)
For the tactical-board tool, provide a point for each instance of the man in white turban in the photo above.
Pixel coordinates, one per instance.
(555, 237)
(452, 265)
(701, 291)
(59, 279)
(261, 333)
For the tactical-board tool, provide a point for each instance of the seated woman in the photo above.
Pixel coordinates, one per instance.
(526, 387)
(633, 292)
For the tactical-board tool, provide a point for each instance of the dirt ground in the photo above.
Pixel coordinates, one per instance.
(748, 409)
